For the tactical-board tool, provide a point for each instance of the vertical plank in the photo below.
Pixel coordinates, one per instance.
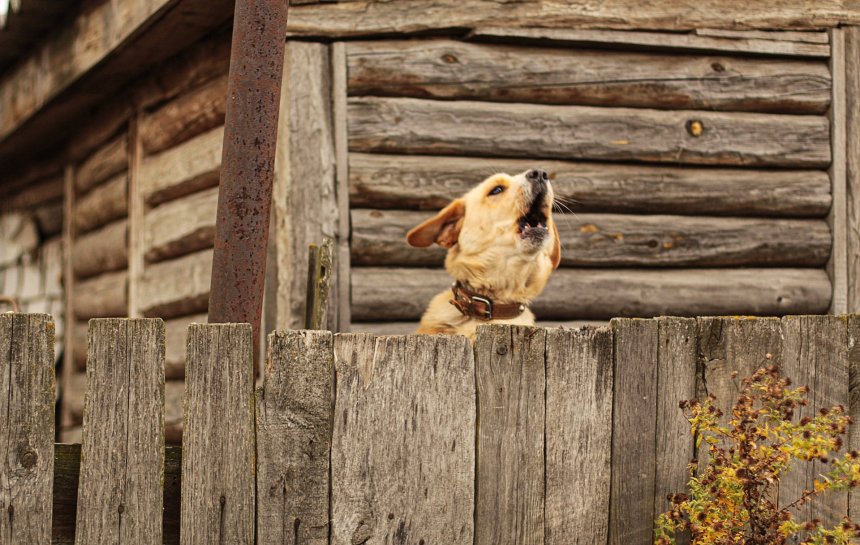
(135, 218)
(120, 493)
(218, 436)
(294, 410)
(837, 265)
(816, 355)
(578, 435)
(854, 403)
(634, 423)
(511, 378)
(852, 158)
(341, 150)
(403, 447)
(304, 200)
(68, 290)
(26, 428)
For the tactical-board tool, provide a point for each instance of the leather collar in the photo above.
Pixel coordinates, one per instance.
(481, 307)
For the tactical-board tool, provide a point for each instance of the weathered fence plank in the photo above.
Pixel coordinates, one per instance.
(853, 321)
(122, 455)
(430, 183)
(403, 449)
(578, 435)
(448, 69)
(634, 442)
(511, 380)
(294, 439)
(27, 386)
(416, 126)
(218, 440)
(607, 240)
(816, 355)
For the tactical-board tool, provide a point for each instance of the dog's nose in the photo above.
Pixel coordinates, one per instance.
(537, 175)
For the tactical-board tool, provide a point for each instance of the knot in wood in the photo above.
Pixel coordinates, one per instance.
(695, 127)
(120, 509)
(717, 67)
(449, 58)
(502, 349)
(27, 456)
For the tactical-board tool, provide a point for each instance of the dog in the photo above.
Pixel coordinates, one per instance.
(502, 247)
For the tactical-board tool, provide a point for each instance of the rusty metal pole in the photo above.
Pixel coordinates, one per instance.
(247, 162)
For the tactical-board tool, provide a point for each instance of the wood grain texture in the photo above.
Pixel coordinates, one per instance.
(294, 416)
(510, 375)
(102, 204)
(676, 381)
(578, 435)
(815, 350)
(136, 211)
(342, 162)
(367, 17)
(837, 264)
(181, 226)
(102, 250)
(802, 36)
(104, 296)
(419, 182)
(304, 193)
(27, 393)
(417, 126)
(194, 112)
(634, 431)
(418, 484)
(606, 240)
(598, 294)
(120, 495)
(852, 165)
(191, 166)
(177, 287)
(218, 441)
(696, 42)
(109, 160)
(448, 69)
(853, 324)
(68, 289)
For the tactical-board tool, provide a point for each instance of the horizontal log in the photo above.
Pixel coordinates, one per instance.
(101, 250)
(803, 36)
(447, 69)
(195, 112)
(176, 332)
(368, 17)
(606, 240)
(103, 204)
(178, 287)
(107, 161)
(408, 125)
(408, 328)
(652, 41)
(388, 181)
(395, 294)
(186, 168)
(181, 226)
(35, 192)
(105, 296)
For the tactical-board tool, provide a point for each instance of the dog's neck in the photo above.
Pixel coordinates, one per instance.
(474, 304)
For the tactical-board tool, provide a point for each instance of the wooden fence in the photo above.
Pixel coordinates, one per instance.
(535, 436)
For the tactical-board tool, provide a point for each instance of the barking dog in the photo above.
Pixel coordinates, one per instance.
(502, 246)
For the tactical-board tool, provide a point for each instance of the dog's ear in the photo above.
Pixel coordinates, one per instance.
(555, 255)
(443, 228)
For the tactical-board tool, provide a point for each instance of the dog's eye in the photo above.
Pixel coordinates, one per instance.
(496, 190)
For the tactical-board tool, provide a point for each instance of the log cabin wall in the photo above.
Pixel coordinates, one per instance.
(695, 169)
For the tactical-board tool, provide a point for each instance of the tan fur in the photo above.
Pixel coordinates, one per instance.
(486, 251)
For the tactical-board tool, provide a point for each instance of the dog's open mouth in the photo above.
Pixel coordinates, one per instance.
(533, 223)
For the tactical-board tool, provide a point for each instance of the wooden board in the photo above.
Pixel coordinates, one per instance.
(195, 112)
(122, 455)
(853, 443)
(103, 204)
(69, 288)
(189, 167)
(416, 126)
(606, 240)
(802, 36)
(102, 250)
(837, 265)
(448, 69)
(218, 442)
(181, 226)
(398, 476)
(177, 287)
(107, 161)
(389, 181)
(408, 328)
(634, 423)
(596, 294)
(579, 438)
(294, 421)
(342, 176)
(27, 393)
(510, 375)
(368, 17)
(104, 296)
(852, 166)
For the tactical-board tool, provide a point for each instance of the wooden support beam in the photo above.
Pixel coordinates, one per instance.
(852, 166)
(837, 265)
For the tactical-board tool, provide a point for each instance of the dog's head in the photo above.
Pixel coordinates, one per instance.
(500, 236)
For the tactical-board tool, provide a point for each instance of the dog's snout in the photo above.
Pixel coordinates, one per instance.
(537, 175)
